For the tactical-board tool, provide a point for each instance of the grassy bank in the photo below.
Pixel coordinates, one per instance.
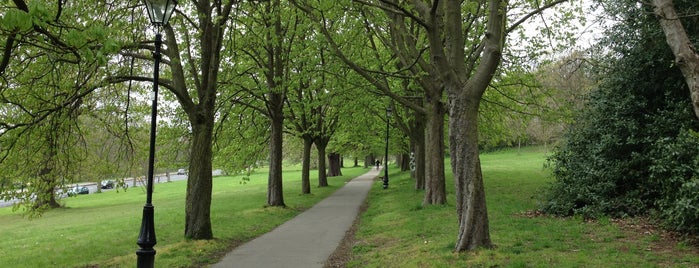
(396, 231)
(100, 230)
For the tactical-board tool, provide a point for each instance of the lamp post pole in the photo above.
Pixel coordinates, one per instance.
(159, 12)
(146, 238)
(385, 168)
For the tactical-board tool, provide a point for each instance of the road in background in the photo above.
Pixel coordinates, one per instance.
(92, 186)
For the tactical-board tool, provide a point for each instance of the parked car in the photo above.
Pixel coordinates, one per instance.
(181, 171)
(107, 184)
(78, 190)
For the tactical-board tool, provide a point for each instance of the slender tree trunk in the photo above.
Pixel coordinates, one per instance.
(334, 164)
(435, 190)
(404, 161)
(420, 163)
(275, 194)
(416, 132)
(322, 173)
(199, 182)
(306, 166)
(275, 81)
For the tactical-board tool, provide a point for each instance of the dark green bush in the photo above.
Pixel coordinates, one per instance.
(632, 149)
(674, 172)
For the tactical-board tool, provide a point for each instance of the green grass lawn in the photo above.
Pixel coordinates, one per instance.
(100, 230)
(396, 231)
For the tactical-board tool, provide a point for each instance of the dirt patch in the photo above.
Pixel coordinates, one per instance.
(343, 253)
(662, 240)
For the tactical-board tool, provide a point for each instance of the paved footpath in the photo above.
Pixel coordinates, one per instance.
(307, 240)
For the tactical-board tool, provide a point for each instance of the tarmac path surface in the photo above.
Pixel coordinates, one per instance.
(307, 240)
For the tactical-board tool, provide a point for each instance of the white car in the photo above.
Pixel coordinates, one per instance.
(181, 171)
(78, 190)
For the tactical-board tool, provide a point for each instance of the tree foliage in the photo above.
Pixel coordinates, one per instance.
(52, 70)
(632, 148)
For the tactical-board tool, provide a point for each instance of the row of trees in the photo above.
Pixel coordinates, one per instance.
(241, 74)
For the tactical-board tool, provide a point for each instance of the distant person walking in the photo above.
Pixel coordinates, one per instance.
(378, 164)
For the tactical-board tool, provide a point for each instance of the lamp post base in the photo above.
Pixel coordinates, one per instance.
(145, 258)
(146, 239)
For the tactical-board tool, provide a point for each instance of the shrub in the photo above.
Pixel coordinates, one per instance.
(632, 148)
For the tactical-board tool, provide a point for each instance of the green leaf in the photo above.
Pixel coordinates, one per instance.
(16, 19)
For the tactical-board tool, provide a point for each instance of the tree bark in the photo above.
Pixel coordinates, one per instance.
(464, 100)
(334, 165)
(404, 162)
(46, 192)
(47, 183)
(275, 103)
(275, 193)
(322, 172)
(199, 182)
(435, 189)
(415, 130)
(419, 150)
(200, 109)
(470, 192)
(306, 166)
(686, 56)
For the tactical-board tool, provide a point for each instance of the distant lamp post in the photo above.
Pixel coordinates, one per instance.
(159, 12)
(385, 167)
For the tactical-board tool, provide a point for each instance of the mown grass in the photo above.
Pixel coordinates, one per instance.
(100, 230)
(396, 231)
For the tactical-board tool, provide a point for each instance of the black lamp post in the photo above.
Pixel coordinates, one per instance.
(159, 12)
(385, 167)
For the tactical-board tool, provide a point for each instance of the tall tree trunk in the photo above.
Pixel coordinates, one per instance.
(686, 56)
(403, 161)
(334, 165)
(419, 150)
(470, 198)
(435, 190)
(200, 108)
(306, 166)
(199, 182)
(464, 100)
(275, 194)
(275, 82)
(322, 173)
(416, 131)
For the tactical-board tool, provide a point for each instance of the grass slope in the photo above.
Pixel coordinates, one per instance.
(100, 230)
(395, 231)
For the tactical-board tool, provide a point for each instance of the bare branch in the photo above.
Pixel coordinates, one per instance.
(534, 12)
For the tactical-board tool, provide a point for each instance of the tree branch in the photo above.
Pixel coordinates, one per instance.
(534, 12)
